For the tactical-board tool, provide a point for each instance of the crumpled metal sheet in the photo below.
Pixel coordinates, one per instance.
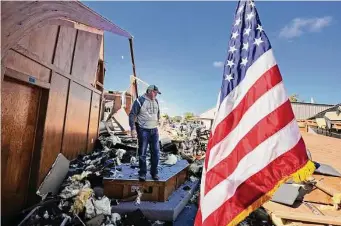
(55, 177)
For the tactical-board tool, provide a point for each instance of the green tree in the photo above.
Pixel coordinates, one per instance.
(177, 118)
(188, 115)
(165, 116)
(293, 98)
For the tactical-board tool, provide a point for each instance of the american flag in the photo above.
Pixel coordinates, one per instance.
(255, 141)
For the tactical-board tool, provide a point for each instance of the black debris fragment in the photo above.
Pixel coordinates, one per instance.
(135, 218)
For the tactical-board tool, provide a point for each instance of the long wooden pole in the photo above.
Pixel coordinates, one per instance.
(133, 63)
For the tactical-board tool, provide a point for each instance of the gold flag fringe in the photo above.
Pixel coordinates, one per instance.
(299, 176)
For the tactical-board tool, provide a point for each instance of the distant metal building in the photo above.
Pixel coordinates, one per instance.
(307, 110)
(301, 110)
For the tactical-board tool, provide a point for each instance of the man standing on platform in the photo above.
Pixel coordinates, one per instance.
(143, 120)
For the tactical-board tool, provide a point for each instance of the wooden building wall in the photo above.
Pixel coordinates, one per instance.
(51, 98)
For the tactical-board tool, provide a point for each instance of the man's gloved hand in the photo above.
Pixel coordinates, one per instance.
(133, 134)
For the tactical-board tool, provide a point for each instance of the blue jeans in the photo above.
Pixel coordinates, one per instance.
(151, 137)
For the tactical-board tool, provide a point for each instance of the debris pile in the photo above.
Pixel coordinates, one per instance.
(79, 199)
(81, 195)
(317, 201)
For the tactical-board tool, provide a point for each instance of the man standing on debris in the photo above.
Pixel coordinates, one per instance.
(143, 120)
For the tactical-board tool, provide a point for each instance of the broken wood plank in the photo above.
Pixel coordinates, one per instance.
(323, 149)
(298, 208)
(276, 220)
(76, 25)
(308, 217)
(318, 196)
(330, 185)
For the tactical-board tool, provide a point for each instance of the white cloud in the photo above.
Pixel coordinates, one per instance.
(218, 64)
(299, 26)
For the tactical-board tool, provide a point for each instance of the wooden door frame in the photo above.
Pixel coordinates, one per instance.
(18, 77)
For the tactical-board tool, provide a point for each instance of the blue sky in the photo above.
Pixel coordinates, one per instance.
(179, 46)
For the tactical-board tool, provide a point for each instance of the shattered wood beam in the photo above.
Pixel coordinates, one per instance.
(322, 186)
(133, 63)
(308, 217)
(76, 25)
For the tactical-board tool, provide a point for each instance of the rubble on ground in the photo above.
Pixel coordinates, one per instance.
(317, 201)
(81, 200)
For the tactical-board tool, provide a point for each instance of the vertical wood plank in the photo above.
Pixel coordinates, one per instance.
(88, 128)
(93, 120)
(18, 125)
(41, 42)
(101, 51)
(169, 188)
(128, 103)
(65, 48)
(76, 124)
(125, 192)
(155, 193)
(86, 56)
(162, 192)
(36, 157)
(54, 123)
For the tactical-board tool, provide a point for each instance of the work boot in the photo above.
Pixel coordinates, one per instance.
(155, 177)
(142, 178)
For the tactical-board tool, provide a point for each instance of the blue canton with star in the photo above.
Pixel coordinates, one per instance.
(247, 43)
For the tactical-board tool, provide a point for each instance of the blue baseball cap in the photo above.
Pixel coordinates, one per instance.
(154, 88)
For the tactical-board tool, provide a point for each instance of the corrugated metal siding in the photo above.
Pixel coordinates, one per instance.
(305, 110)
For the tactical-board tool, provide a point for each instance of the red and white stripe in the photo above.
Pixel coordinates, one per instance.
(254, 132)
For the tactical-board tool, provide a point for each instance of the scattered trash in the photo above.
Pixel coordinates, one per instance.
(192, 178)
(138, 198)
(98, 220)
(186, 188)
(99, 192)
(95, 207)
(135, 218)
(133, 160)
(171, 160)
(46, 215)
(115, 218)
(81, 199)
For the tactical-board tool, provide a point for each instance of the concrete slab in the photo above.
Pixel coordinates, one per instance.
(163, 211)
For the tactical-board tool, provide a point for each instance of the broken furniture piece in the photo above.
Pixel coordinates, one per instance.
(158, 200)
(163, 211)
(126, 186)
